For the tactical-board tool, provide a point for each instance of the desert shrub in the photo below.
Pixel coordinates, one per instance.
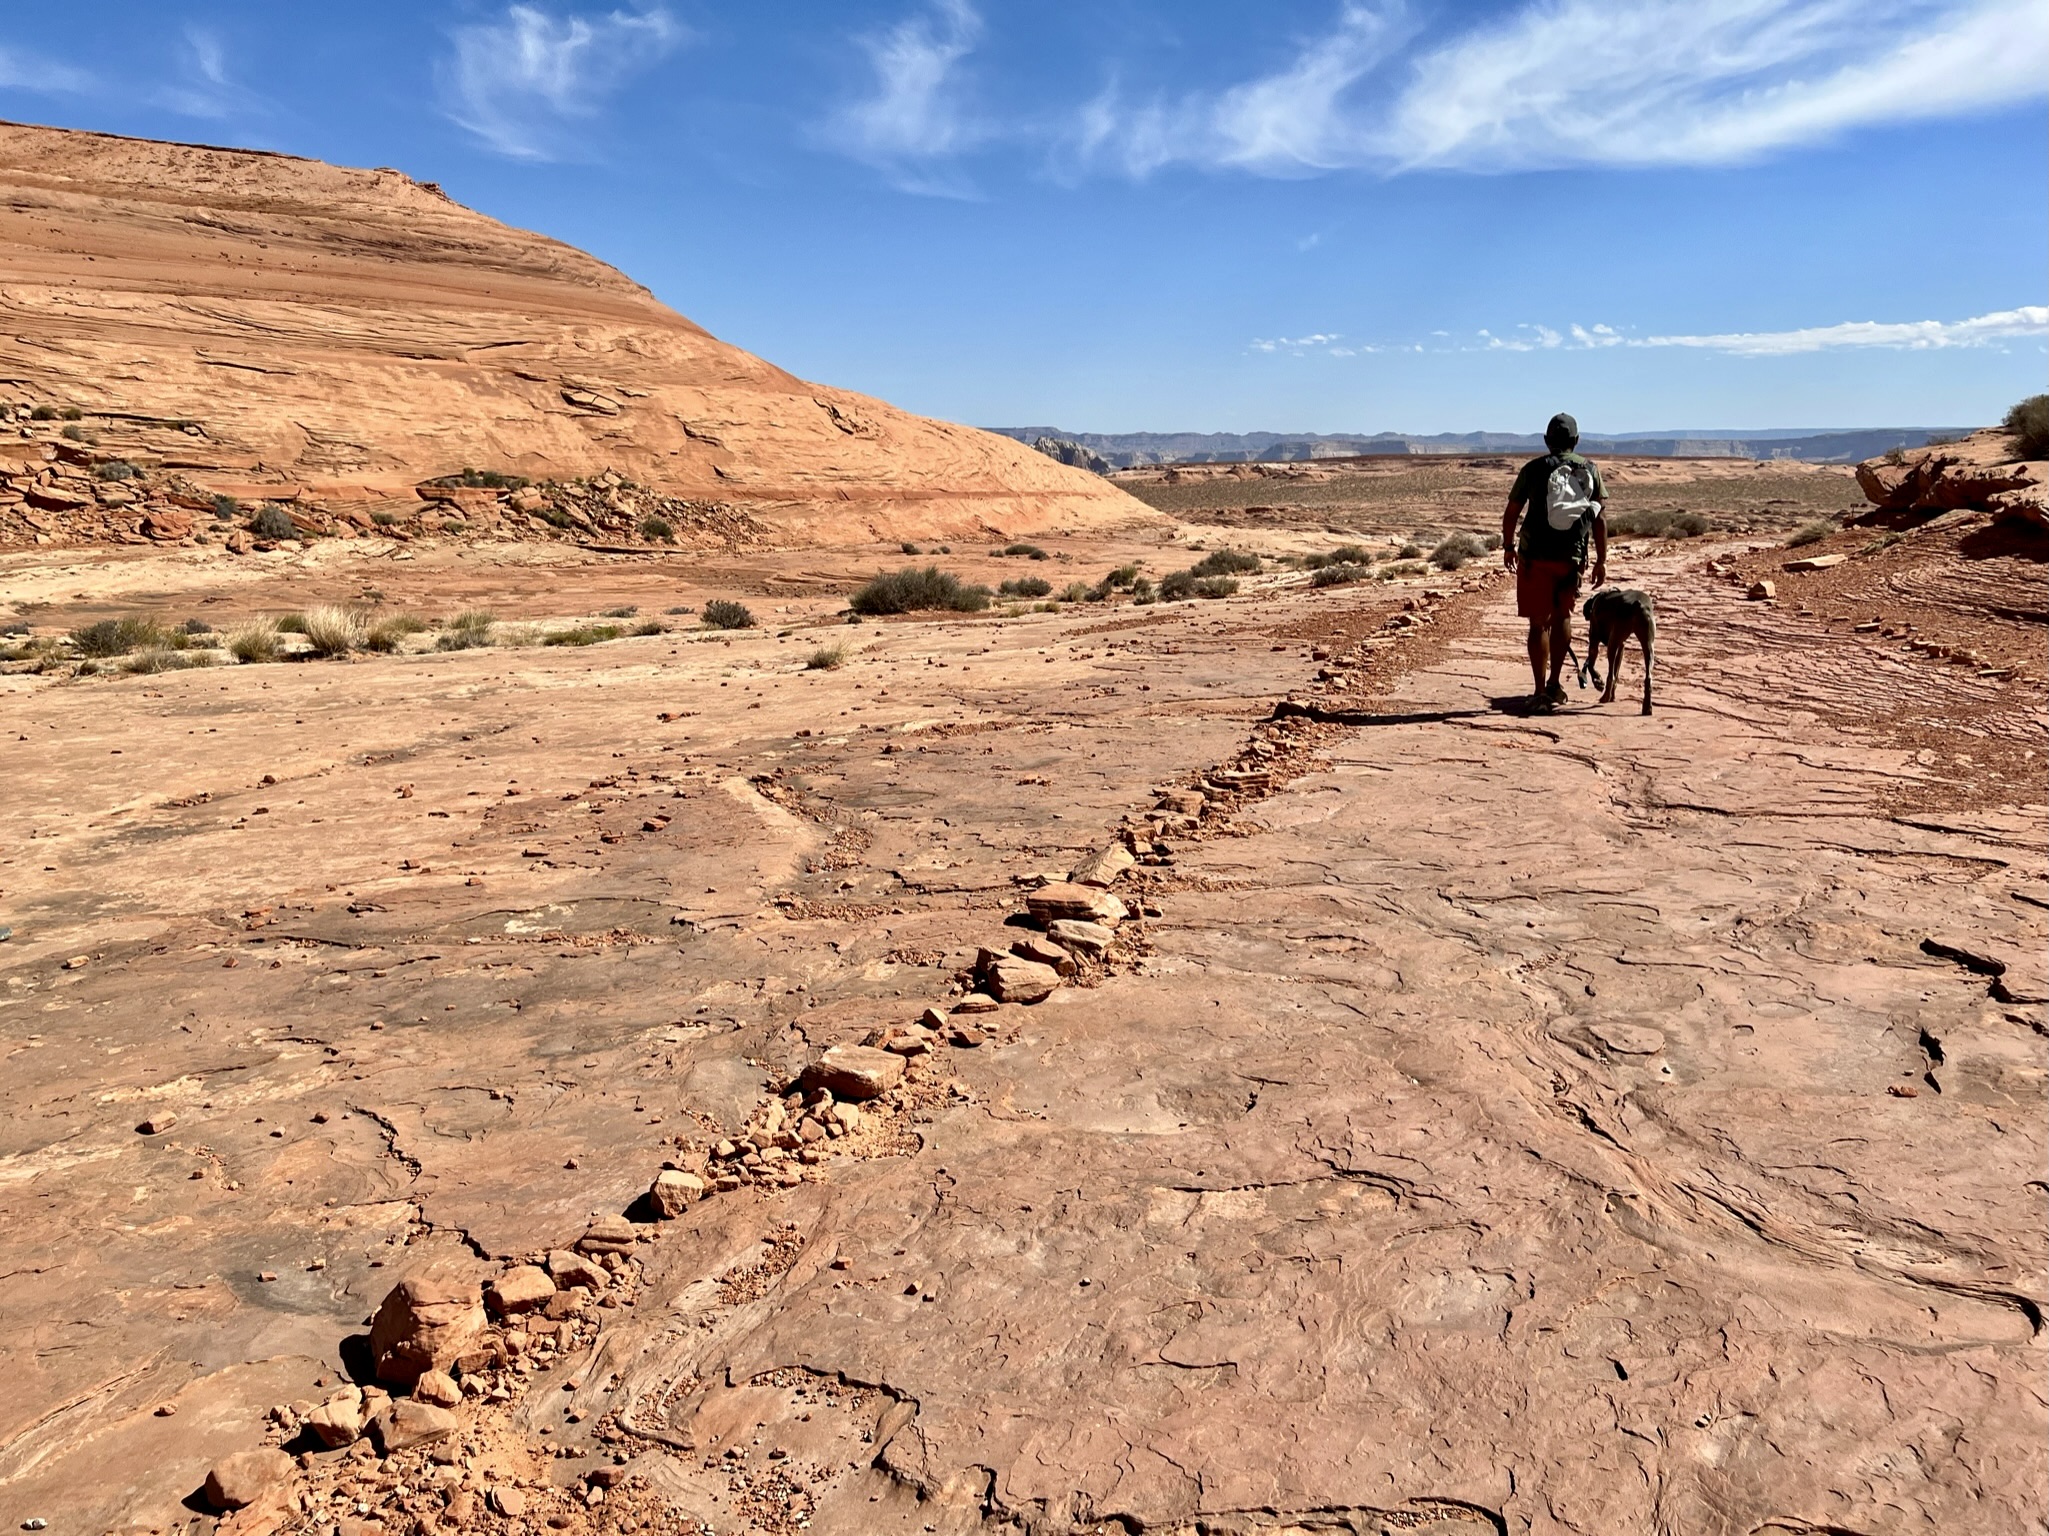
(273, 522)
(453, 525)
(1227, 562)
(384, 519)
(555, 517)
(116, 469)
(1029, 551)
(912, 591)
(15, 629)
(1339, 575)
(722, 613)
(195, 627)
(43, 413)
(2029, 423)
(1215, 586)
(116, 637)
(254, 641)
(332, 631)
(1882, 542)
(77, 435)
(827, 658)
(623, 611)
(1657, 523)
(1025, 586)
(1409, 552)
(1896, 454)
(1810, 533)
(909, 548)
(583, 634)
(657, 530)
(72, 413)
(1491, 543)
(226, 508)
(291, 624)
(1079, 592)
(685, 608)
(1401, 568)
(466, 631)
(1455, 550)
(1344, 554)
(156, 659)
(1176, 586)
(484, 479)
(648, 627)
(1121, 579)
(1142, 590)
(389, 634)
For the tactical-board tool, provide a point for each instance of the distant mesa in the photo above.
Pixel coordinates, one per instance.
(1068, 451)
(339, 337)
(1131, 450)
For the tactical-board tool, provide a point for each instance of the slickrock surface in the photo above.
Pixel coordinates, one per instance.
(1474, 1123)
(275, 328)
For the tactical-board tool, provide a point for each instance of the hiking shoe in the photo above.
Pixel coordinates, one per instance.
(1555, 694)
(1541, 704)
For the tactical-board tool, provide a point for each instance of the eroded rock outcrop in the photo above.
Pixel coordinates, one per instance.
(1978, 472)
(309, 331)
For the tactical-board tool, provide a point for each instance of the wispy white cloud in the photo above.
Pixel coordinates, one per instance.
(1908, 335)
(1902, 335)
(24, 70)
(915, 119)
(205, 88)
(1588, 82)
(519, 81)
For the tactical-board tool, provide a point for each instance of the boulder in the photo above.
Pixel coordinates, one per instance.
(1045, 952)
(165, 524)
(1814, 563)
(608, 1234)
(1013, 979)
(437, 1388)
(1090, 939)
(1762, 591)
(339, 1420)
(975, 1002)
(854, 1072)
(246, 1476)
(1083, 903)
(1943, 477)
(673, 1191)
(409, 1422)
(523, 1289)
(1101, 868)
(574, 1270)
(424, 1323)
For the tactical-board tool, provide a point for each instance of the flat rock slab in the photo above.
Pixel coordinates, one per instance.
(854, 1072)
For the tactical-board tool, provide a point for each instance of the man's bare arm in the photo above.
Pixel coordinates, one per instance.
(1509, 518)
(1600, 549)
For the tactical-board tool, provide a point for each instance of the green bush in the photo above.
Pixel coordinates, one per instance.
(1400, 569)
(255, 641)
(555, 517)
(1344, 554)
(72, 413)
(1216, 586)
(649, 627)
(915, 591)
(273, 522)
(623, 611)
(1176, 586)
(1121, 579)
(1455, 550)
(1810, 533)
(290, 624)
(332, 631)
(484, 479)
(156, 659)
(116, 637)
(43, 413)
(467, 631)
(1029, 551)
(116, 469)
(1658, 523)
(1025, 586)
(909, 548)
(1142, 590)
(389, 634)
(1409, 552)
(1079, 592)
(2029, 424)
(195, 627)
(583, 634)
(73, 434)
(1227, 562)
(1339, 575)
(720, 613)
(657, 530)
(827, 658)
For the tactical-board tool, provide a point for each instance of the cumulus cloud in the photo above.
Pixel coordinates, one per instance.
(518, 82)
(1899, 335)
(1588, 82)
(915, 118)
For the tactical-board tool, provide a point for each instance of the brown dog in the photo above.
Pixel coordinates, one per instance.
(1614, 615)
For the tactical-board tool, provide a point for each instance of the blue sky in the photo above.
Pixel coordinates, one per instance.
(1308, 215)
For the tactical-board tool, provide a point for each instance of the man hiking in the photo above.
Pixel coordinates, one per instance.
(1563, 495)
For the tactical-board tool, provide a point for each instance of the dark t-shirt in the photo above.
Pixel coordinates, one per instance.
(1538, 540)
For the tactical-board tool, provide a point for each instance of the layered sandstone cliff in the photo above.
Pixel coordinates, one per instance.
(315, 333)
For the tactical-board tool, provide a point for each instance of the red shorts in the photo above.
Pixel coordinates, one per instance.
(1545, 589)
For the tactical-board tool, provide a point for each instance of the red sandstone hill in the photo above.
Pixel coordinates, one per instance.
(340, 336)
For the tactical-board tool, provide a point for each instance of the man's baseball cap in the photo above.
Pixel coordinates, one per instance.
(1562, 433)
